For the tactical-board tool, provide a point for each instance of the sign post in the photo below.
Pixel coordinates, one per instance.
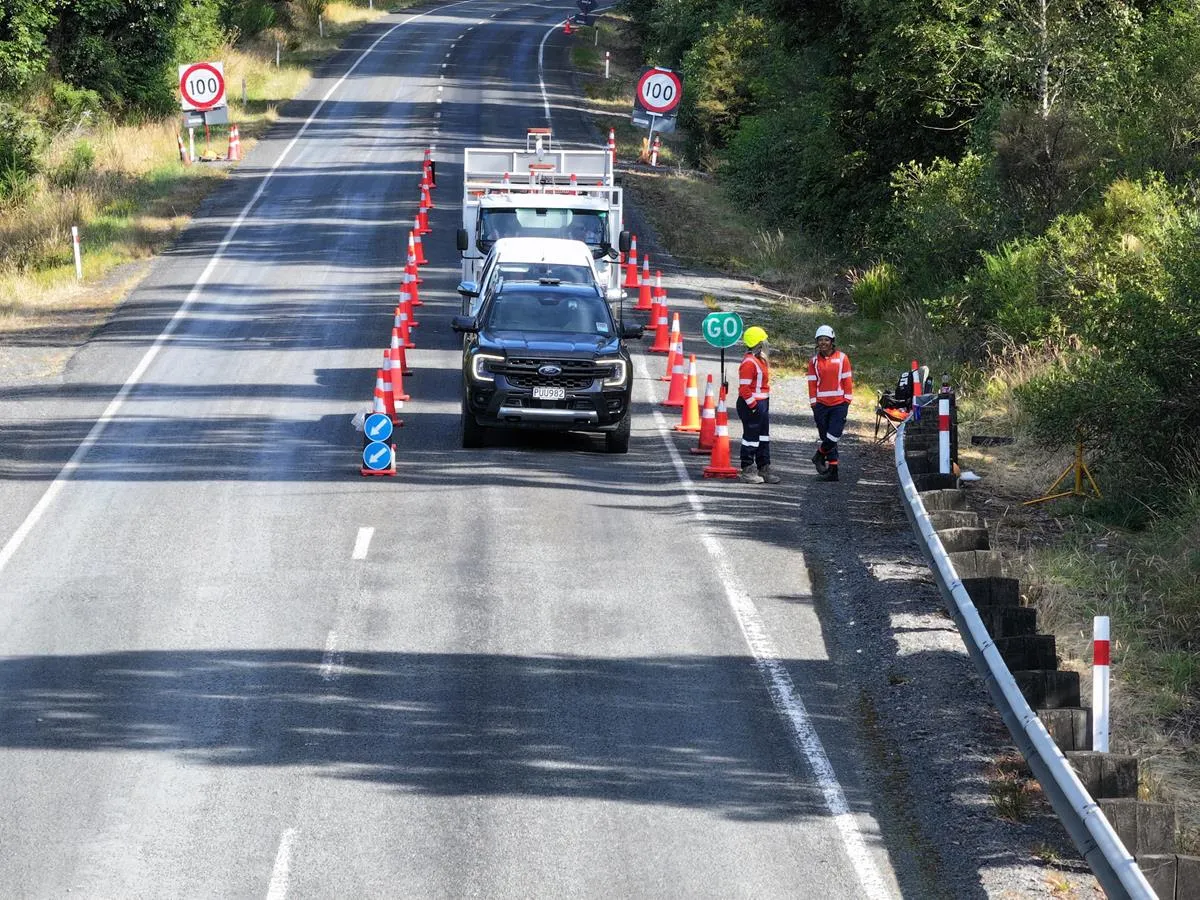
(722, 329)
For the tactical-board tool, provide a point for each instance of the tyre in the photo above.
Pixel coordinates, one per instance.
(472, 431)
(617, 440)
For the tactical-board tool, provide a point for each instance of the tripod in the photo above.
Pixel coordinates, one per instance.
(1079, 469)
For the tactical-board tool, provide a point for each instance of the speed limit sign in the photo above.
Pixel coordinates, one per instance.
(202, 85)
(659, 91)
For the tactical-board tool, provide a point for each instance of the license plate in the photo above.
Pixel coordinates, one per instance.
(549, 393)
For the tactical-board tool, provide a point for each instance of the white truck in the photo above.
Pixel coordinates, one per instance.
(538, 191)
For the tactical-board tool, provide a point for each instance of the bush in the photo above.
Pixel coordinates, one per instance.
(21, 140)
(79, 163)
(249, 19)
(875, 290)
(942, 216)
(71, 106)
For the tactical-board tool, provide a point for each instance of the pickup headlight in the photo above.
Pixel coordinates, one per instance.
(479, 366)
(619, 373)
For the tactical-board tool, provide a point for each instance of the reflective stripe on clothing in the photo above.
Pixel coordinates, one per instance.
(754, 379)
(830, 379)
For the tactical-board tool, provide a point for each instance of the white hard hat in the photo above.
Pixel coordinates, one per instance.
(825, 331)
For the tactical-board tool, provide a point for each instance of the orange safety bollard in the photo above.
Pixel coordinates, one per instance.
(718, 466)
(708, 421)
(689, 421)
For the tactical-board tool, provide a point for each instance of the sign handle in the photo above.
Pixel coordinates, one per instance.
(724, 380)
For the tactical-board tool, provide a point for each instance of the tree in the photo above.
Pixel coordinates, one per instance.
(24, 49)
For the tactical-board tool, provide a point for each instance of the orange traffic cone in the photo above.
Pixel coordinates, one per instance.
(708, 421)
(662, 337)
(678, 386)
(567, 28)
(660, 292)
(631, 265)
(422, 222)
(612, 145)
(402, 320)
(389, 389)
(690, 419)
(429, 167)
(399, 329)
(917, 387)
(424, 185)
(414, 276)
(406, 304)
(718, 466)
(399, 364)
(645, 289)
(420, 251)
(676, 353)
(235, 144)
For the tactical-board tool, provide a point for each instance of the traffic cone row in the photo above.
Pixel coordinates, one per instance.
(390, 394)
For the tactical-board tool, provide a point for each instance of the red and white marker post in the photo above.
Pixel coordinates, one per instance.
(944, 434)
(1100, 660)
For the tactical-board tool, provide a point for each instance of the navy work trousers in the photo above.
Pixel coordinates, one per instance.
(756, 432)
(830, 422)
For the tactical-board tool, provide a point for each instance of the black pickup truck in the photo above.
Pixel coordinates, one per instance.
(546, 356)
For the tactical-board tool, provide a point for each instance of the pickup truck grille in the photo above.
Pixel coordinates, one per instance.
(577, 374)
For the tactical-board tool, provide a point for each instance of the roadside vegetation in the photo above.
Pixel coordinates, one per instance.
(89, 130)
(1021, 214)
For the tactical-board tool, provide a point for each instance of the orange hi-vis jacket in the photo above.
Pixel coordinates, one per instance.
(754, 379)
(830, 381)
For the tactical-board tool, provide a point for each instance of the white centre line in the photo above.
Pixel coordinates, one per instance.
(283, 865)
(362, 543)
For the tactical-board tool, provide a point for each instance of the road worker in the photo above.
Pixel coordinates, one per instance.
(830, 392)
(753, 408)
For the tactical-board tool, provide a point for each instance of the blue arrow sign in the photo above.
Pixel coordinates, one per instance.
(378, 427)
(377, 456)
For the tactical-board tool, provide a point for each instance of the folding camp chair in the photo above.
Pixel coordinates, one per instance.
(892, 408)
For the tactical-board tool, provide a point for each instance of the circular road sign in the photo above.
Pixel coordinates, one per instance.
(659, 91)
(202, 86)
(722, 329)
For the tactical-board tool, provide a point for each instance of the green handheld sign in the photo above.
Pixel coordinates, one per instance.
(722, 329)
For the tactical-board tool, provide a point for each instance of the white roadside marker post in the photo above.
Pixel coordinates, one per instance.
(944, 434)
(607, 60)
(1100, 663)
(78, 256)
(191, 142)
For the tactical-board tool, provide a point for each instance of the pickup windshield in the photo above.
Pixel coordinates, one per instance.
(587, 225)
(566, 314)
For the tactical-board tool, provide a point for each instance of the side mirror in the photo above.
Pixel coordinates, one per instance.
(468, 289)
(464, 242)
(625, 241)
(629, 332)
(464, 325)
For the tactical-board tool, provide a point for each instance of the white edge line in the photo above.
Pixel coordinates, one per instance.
(362, 543)
(110, 412)
(281, 871)
(778, 681)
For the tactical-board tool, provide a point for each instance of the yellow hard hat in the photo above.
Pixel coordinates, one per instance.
(754, 336)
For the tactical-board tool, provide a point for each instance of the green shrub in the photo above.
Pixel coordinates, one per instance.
(74, 170)
(249, 19)
(72, 106)
(875, 290)
(942, 216)
(21, 140)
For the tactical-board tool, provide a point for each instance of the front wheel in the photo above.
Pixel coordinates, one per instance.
(617, 440)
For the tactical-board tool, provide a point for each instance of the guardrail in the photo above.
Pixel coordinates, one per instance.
(1114, 866)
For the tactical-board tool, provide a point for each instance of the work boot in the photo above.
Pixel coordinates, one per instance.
(767, 475)
(830, 474)
(749, 475)
(819, 461)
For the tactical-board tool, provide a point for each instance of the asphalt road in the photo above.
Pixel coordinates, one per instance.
(232, 666)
